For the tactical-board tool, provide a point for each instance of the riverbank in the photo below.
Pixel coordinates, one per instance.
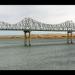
(37, 36)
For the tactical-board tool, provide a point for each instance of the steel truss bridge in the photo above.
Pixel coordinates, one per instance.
(28, 24)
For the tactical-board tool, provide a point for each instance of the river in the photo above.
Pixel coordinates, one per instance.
(44, 54)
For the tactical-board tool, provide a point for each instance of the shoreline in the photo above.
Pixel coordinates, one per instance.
(36, 36)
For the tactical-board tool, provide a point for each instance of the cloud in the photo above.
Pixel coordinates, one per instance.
(45, 13)
(40, 12)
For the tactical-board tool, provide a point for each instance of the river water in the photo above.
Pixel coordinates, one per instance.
(44, 54)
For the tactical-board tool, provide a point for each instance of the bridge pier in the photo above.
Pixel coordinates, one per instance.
(29, 39)
(69, 36)
(25, 38)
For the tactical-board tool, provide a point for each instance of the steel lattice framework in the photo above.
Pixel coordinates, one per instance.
(33, 25)
(27, 25)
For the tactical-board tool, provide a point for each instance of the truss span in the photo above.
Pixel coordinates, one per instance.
(33, 25)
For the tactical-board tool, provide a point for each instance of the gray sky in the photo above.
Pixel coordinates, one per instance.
(45, 13)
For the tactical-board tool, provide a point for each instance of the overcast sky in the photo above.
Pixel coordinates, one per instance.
(45, 13)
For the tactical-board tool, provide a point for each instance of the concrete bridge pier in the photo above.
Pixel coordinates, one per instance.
(27, 39)
(69, 37)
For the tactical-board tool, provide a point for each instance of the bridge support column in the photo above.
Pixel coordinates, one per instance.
(29, 39)
(69, 36)
(25, 38)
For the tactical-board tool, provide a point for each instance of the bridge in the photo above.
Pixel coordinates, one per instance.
(28, 24)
